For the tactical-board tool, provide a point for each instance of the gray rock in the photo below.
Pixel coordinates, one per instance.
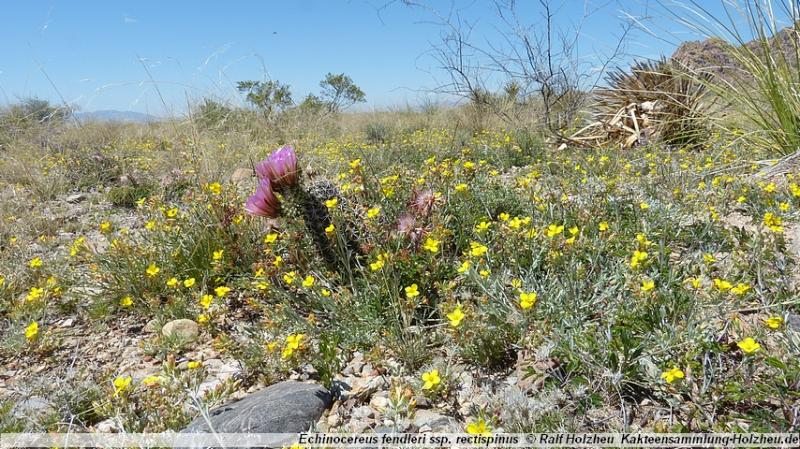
(128, 180)
(355, 365)
(107, 426)
(221, 370)
(429, 421)
(76, 198)
(34, 406)
(184, 329)
(380, 401)
(67, 323)
(209, 386)
(333, 420)
(361, 387)
(151, 327)
(793, 322)
(422, 401)
(360, 426)
(363, 412)
(285, 407)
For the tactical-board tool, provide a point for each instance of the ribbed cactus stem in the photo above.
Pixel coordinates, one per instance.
(316, 218)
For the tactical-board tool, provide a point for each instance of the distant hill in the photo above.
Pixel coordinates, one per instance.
(714, 55)
(116, 116)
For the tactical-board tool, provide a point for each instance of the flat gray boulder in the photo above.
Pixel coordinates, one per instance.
(285, 407)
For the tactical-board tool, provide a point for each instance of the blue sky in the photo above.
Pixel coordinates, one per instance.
(97, 55)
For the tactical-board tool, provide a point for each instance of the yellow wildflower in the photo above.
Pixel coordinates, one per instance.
(722, 285)
(431, 379)
(553, 230)
(479, 427)
(32, 331)
(215, 188)
(527, 300)
(773, 222)
(34, 294)
(431, 245)
(477, 249)
(206, 300)
(482, 227)
(152, 270)
(293, 343)
(740, 289)
(456, 316)
(774, 322)
(637, 258)
(151, 381)
(672, 374)
(121, 384)
(748, 345)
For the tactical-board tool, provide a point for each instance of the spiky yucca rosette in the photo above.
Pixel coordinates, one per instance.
(660, 98)
(279, 173)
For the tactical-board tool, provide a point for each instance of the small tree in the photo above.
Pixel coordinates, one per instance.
(339, 92)
(312, 104)
(268, 96)
(31, 111)
(212, 114)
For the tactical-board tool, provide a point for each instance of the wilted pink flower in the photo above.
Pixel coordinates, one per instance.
(422, 202)
(408, 227)
(263, 203)
(406, 224)
(280, 168)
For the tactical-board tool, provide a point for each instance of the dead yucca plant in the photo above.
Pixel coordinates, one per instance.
(653, 101)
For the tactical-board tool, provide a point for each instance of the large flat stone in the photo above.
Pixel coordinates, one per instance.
(286, 407)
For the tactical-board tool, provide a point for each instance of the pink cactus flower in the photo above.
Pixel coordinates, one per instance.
(263, 203)
(280, 168)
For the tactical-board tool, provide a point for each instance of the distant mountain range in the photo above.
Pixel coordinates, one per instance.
(116, 116)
